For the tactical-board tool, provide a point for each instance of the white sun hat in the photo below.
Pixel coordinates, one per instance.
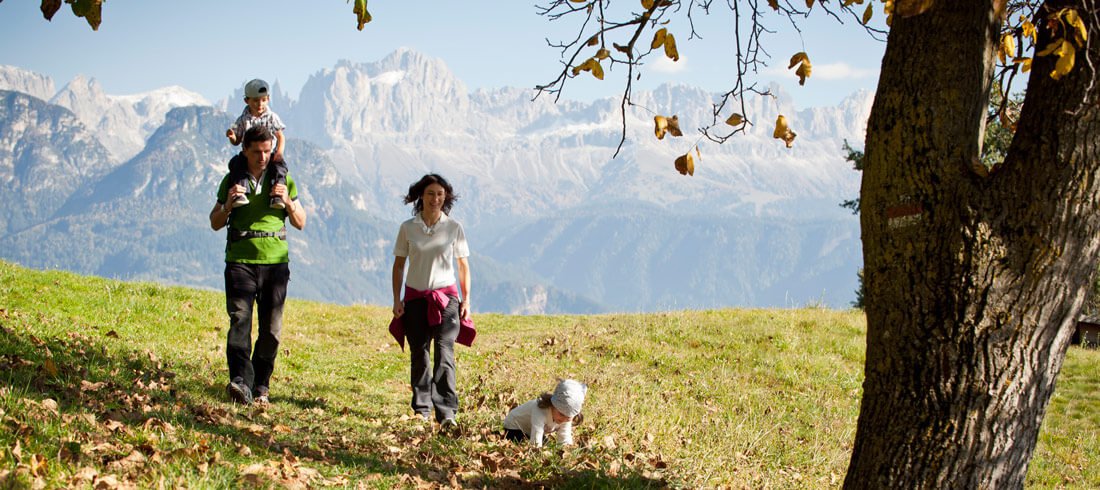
(568, 397)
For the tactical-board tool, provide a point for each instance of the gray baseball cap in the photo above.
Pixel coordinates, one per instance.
(256, 88)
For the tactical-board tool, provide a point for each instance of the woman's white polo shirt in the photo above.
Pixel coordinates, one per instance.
(431, 251)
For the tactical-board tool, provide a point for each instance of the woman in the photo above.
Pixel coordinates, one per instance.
(432, 312)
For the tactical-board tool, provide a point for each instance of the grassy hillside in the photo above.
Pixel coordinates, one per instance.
(117, 385)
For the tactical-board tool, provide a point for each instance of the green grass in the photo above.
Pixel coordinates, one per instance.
(104, 381)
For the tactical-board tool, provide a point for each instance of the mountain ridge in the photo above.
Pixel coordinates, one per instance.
(361, 132)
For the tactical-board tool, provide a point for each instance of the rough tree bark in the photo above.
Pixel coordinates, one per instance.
(972, 281)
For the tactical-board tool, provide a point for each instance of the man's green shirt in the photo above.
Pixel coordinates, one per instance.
(257, 215)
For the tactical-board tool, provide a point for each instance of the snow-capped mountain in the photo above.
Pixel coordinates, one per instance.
(561, 224)
(391, 120)
(16, 79)
(46, 154)
(122, 123)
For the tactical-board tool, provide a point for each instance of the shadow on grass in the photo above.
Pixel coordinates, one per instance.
(217, 392)
(134, 387)
(302, 403)
(588, 479)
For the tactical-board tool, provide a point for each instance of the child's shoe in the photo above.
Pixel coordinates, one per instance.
(239, 201)
(277, 203)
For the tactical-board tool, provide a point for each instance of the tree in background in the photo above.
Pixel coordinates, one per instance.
(860, 291)
(856, 158)
(974, 273)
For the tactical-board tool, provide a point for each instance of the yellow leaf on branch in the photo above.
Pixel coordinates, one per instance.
(868, 13)
(666, 125)
(804, 68)
(774, 4)
(647, 4)
(803, 72)
(1027, 29)
(1065, 52)
(1066, 57)
(362, 16)
(1007, 47)
(597, 70)
(90, 10)
(603, 54)
(1080, 34)
(783, 132)
(735, 120)
(658, 38)
(674, 126)
(1055, 44)
(798, 58)
(670, 47)
(660, 126)
(685, 164)
(589, 65)
(1025, 64)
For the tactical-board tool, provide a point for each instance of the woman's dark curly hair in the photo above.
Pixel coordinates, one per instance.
(416, 192)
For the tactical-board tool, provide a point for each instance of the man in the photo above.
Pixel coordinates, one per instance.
(256, 267)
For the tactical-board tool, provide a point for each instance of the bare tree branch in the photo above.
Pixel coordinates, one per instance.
(622, 27)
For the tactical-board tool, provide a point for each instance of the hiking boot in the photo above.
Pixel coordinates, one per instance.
(277, 203)
(260, 395)
(239, 201)
(448, 425)
(238, 391)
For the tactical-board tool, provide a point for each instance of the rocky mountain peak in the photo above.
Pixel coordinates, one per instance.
(28, 82)
(406, 92)
(541, 188)
(85, 97)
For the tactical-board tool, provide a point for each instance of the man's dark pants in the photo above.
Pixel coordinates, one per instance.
(264, 284)
(434, 387)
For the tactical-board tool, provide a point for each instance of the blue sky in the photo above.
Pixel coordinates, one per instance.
(213, 46)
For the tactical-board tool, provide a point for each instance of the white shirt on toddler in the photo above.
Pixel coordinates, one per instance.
(535, 422)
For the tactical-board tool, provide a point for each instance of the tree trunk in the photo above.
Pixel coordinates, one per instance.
(972, 282)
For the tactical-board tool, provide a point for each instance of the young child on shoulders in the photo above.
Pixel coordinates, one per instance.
(555, 413)
(257, 96)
